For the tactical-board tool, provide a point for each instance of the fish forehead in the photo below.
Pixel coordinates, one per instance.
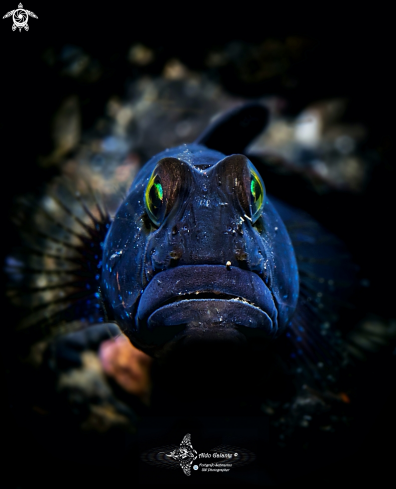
(194, 155)
(205, 194)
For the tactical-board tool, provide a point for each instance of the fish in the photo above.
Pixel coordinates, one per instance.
(197, 256)
(198, 250)
(201, 262)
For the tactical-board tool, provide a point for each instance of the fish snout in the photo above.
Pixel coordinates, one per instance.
(202, 301)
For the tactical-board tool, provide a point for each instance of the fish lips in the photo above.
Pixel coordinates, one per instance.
(207, 300)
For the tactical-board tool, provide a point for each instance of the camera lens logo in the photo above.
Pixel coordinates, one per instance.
(20, 16)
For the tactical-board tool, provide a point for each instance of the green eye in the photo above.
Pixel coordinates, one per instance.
(257, 193)
(154, 199)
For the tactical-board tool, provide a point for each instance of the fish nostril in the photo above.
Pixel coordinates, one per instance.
(175, 256)
(240, 255)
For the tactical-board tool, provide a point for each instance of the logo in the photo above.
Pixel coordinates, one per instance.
(221, 458)
(185, 455)
(20, 16)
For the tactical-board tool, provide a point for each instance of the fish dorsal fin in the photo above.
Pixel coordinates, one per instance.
(234, 130)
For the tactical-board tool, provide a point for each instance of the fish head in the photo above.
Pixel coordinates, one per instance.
(197, 251)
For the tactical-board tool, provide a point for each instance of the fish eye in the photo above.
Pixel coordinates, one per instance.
(168, 182)
(154, 199)
(257, 193)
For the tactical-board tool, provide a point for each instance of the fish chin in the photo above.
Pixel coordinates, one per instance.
(214, 318)
(205, 302)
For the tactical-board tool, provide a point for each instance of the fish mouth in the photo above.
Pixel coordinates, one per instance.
(205, 301)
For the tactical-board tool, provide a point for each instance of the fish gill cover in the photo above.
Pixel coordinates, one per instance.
(200, 289)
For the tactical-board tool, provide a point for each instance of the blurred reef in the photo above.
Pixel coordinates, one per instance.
(71, 107)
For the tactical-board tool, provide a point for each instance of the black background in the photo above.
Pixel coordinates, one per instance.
(350, 59)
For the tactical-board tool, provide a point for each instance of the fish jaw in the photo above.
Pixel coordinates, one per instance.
(210, 301)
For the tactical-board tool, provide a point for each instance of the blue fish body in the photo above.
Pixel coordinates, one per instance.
(197, 258)
(212, 266)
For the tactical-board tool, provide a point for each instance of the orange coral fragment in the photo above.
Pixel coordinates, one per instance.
(128, 366)
(344, 397)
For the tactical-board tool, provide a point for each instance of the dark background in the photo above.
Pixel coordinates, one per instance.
(355, 63)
